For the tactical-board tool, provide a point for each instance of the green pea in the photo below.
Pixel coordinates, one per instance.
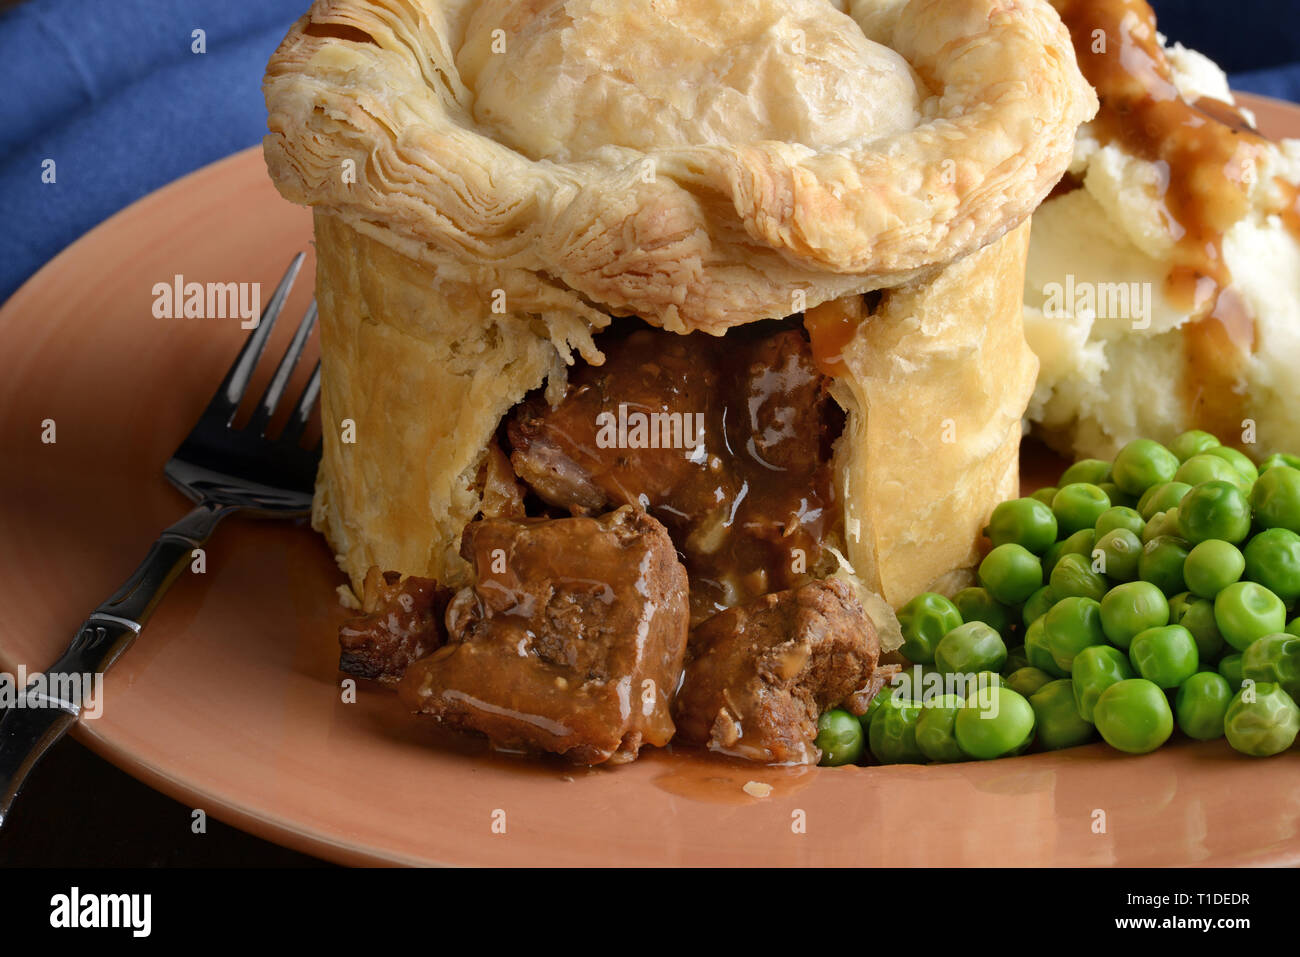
(1120, 554)
(1274, 658)
(1086, 471)
(1050, 558)
(1022, 521)
(970, 648)
(1011, 573)
(1045, 495)
(1197, 616)
(1237, 460)
(1130, 609)
(936, 729)
(1094, 670)
(1192, 443)
(1037, 605)
(1201, 704)
(1081, 542)
(1293, 627)
(1210, 468)
(1027, 680)
(1262, 719)
(1272, 558)
(1162, 523)
(1073, 577)
(1144, 501)
(1162, 563)
(1119, 516)
(909, 684)
(976, 604)
(892, 736)
(1056, 717)
(1161, 498)
(1179, 604)
(1016, 659)
(1279, 458)
(1078, 506)
(924, 621)
(980, 679)
(839, 736)
(874, 705)
(1116, 495)
(1230, 669)
(1245, 611)
(995, 722)
(1036, 650)
(1134, 716)
(1214, 510)
(1165, 656)
(1072, 625)
(1212, 566)
(893, 695)
(1141, 464)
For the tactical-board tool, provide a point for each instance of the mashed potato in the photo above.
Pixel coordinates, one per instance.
(1110, 335)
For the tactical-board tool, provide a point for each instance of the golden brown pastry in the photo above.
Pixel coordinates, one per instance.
(495, 182)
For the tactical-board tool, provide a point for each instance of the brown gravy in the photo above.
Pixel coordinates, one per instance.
(1206, 151)
(751, 509)
(831, 327)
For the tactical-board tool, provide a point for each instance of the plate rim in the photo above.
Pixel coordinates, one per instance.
(272, 827)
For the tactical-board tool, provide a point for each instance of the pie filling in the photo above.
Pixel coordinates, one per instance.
(726, 441)
(669, 523)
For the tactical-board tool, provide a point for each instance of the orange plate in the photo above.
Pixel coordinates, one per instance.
(230, 700)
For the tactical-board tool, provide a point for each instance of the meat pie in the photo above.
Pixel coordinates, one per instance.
(571, 639)
(759, 675)
(776, 326)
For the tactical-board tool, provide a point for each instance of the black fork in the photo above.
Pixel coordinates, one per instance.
(224, 470)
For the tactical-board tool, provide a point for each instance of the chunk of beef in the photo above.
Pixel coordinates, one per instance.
(502, 496)
(759, 675)
(547, 468)
(560, 452)
(571, 640)
(782, 400)
(749, 503)
(402, 623)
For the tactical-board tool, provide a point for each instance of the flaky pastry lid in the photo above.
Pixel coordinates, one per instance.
(700, 164)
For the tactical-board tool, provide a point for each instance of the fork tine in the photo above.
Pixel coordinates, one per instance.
(293, 429)
(226, 402)
(275, 388)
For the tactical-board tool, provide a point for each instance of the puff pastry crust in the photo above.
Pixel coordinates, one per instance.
(938, 380)
(482, 212)
(694, 162)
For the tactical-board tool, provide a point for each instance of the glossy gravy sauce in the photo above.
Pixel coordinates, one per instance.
(831, 327)
(1206, 152)
(751, 506)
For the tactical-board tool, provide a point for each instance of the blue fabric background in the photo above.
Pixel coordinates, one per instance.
(111, 91)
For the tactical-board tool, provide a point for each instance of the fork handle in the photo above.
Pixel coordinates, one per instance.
(38, 719)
